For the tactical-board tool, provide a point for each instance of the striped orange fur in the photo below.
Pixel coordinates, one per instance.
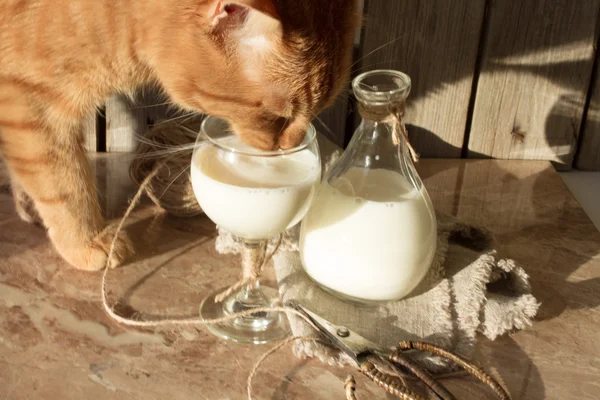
(267, 66)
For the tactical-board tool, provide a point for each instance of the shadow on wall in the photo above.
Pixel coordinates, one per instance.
(566, 111)
(547, 45)
(433, 140)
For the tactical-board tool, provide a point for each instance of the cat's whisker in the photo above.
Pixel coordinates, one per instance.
(178, 118)
(168, 151)
(373, 65)
(142, 139)
(376, 50)
(281, 129)
(163, 150)
(185, 128)
(166, 103)
(168, 171)
(174, 180)
(345, 92)
(331, 135)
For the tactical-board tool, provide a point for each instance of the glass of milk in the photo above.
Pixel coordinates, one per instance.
(371, 232)
(255, 195)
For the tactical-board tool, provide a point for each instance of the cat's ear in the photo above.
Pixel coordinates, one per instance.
(221, 9)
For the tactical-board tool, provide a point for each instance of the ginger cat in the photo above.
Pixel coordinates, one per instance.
(267, 66)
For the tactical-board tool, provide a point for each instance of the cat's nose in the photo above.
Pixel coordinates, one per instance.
(260, 133)
(293, 134)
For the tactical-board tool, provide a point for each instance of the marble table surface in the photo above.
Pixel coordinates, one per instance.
(57, 343)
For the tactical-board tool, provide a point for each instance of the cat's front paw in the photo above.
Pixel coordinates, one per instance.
(122, 249)
(93, 255)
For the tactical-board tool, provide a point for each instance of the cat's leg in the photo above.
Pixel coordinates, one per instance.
(53, 170)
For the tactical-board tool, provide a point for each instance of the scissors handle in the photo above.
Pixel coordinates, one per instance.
(387, 382)
(398, 359)
(472, 369)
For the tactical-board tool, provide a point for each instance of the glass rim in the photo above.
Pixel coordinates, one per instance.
(309, 138)
(365, 95)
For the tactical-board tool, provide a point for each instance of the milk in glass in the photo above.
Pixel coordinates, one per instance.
(253, 197)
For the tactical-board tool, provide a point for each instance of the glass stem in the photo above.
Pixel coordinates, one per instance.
(253, 255)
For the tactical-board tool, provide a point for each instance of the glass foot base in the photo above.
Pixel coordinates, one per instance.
(263, 327)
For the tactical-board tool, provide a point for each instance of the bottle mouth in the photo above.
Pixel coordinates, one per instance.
(381, 86)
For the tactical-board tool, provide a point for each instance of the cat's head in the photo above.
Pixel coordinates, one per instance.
(267, 66)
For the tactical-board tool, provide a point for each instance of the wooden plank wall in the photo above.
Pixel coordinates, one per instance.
(491, 78)
(435, 43)
(588, 152)
(126, 118)
(536, 66)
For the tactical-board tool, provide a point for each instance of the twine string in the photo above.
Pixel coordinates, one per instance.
(176, 197)
(169, 187)
(393, 114)
(254, 260)
(272, 351)
(350, 387)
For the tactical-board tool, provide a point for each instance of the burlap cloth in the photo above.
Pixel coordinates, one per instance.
(468, 289)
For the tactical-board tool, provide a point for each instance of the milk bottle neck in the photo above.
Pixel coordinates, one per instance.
(373, 145)
(380, 141)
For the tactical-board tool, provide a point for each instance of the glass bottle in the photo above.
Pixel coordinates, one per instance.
(371, 232)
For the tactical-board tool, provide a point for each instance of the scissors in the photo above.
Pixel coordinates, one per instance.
(374, 361)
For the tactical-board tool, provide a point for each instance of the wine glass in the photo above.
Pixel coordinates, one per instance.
(255, 195)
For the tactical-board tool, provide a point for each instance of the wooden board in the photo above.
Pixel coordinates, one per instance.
(535, 71)
(588, 153)
(435, 42)
(90, 133)
(127, 118)
(123, 123)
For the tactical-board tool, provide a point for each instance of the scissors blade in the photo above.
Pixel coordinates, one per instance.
(350, 342)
